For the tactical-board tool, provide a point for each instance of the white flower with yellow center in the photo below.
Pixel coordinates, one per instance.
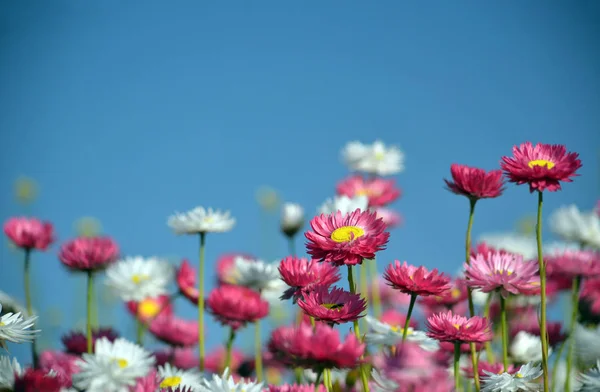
(521, 244)
(225, 383)
(15, 328)
(8, 369)
(374, 158)
(587, 344)
(137, 278)
(114, 366)
(344, 204)
(200, 220)
(590, 380)
(171, 377)
(522, 381)
(255, 274)
(292, 218)
(575, 226)
(526, 347)
(388, 335)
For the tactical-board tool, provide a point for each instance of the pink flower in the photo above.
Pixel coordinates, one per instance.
(215, 360)
(148, 309)
(29, 233)
(572, 263)
(226, 266)
(320, 348)
(65, 365)
(448, 327)
(483, 366)
(455, 295)
(475, 183)
(295, 388)
(89, 253)
(390, 217)
(162, 356)
(185, 358)
(346, 239)
(542, 166)
(483, 249)
(412, 280)
(186, 281)
(590, 291)
(379, 191)
(397, 319)
(505, 272)
(334, 307)
(149, 383)
(37, 380)
(303, 275)
(236, 305)
(175, 331)
(75, 342)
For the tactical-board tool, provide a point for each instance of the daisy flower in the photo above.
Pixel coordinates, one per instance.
(375, 158)
(292, 218)
(526, 347)
(346, 239)
(418, 281)
(523, 380)
(542, 166)
(137, 278)
(449, 327)
(8, 370)
(590, 380)
(75, 342)
(388, 335)
(29, 233)
(379, 191)
(114, 366)
(344, 204)
(475, 183)
(15, 328)
(573, 225)
(333, 307)
(89, 253)
(572, 264)
(254, 274)
(225, 383)
(171, 377)
(303, 275)
(236, 306)
(200, 220)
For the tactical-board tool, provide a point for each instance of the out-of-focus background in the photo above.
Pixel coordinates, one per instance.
(129, 111)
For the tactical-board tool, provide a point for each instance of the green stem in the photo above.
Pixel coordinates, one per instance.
(90, 291)
(413, 298)
(375, 289)
(474, 358)
(504, 332)
(575, 307)
(556, 362)
(364, 285)
(229, 347)
(26, 283)
(258, 352)
(456, 367)
(363, 374)
(488, 345)
(201, 300)
(291, 246)
(542, 267)
(139, 332)
(328, 380)
(318, 379)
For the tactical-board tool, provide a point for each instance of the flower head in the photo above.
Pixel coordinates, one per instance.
(137, 278)
(484, 368)
(379, 191)
(334, 307)
(63, 364)
(412, 280)
(590, 380)
(75, 342)
(388, 335)
(16, 328)
(520, 244)
(29, 233)
(37, 380)
(225, 383)
(344, 204)
(571, 264)
(575, 226)
(172, 379)
(303, 275)
(542, 166)
(149, 308)
(346, 239)
(175, 331)
(390, 217)
(449, 327)
(215, 360)
(523, 380)
(475, 183)
(292, 218)
(374, 158)
(295, 388)
(89, 253)
(254, 274)
(526, 347)
(236, 305)
(200, 220)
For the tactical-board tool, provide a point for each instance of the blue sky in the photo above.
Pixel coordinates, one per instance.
(128, 111)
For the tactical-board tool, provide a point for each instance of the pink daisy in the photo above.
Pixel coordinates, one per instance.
(573, 263)
(65, 365)
(29, 233)
(505, 272)
(174, 331)
(346, 239)
(475, 183)
(449, 327)
(236, 305)
(186, 281)
(150, 308)
(390, 217)
(379, 191)
(89, 253)
(37, 380)
(302, 275)
(483, 249)
(542, 166)
(333, 307)
(75, 342)
(483, 366)
(418, 281)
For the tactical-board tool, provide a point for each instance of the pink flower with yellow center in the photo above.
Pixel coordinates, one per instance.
(573, 263)
(89, 253)
(175, 331)
(302, 275)
(236, 306)
(379, 191)
(412, 280)
(346, 239)
(449, 327)
(148, 309)
(333, 307)
(29, 233)
(475, 183)
(542, 166)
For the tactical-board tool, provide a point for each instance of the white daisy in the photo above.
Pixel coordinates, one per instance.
(590, 380)
(344, 204)
(573, 225)
(387, 335)
(383, 384)
(255, 274)
(200, 220)
(15, 328)
(225, 383)
(526, 347)
(113, 367)
(8, 369)
(521, 244)
(587, 344)
(137, 278)
(375, 158)
(171, 377)
(522, 381)
(292, 218)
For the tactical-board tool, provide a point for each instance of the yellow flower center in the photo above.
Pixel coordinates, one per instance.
(2, 324)
(457, 326)
(148, 308)
(333, 306)
(172, 381)
(518, 375)
(455, 293)
(500, 272)
(121, 362)
(137, 279)
(542, 163)
(347, 233)
(399, 329)
(380, 155)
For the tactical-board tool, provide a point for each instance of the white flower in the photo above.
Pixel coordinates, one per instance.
(11, 305)
(255, 274)
(519, 301)
(292, 218)
(171, 377)
(14, 328)
(590, 381)
(225, 383)
(554, 248)
(526, 347)
(573, 225)
(200, 220)
(385, 334)
(344, 204)
(587, 344)
(521, 244)
(272, 294)
(479, 297)
(522, 381)
(113, 367)
(561, 377)
(373, 159)
(8, 369)
(136, 278)
(382, 383)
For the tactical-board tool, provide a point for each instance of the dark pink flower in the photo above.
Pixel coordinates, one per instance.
(236, 305)
(412, 280)
(65, 365)
(390, 217)
(175, 331)
(346, 239)
(333, 307)
(542, 166)
(149, 383)
(75, 342)
(590, 291)
(302, 275)
(186, 281)
(29, 233)
(572, 263)
(397, 319)
(379, 191)
(449, 327)
(475, 183)
(89, 253)
(483, 248)
(162, 356)
(37, 380)
(449, 299)
(148, 309)
(531, 326)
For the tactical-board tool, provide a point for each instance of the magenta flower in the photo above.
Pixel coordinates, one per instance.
(174, 331)
(215, 360)
(346, 238)
(64, 364)
(236, 306)
(531, 326)
(295, 388)
(379, 191)
(89, 253)
(302, 275)
(186, 281)
(37, 380)
(29, 233)
(412, 280)
(572, 263)
(589, 292)
(455, 295)
(449, 327)
(75, 342)
(507, 273)
(333, 307)
(475, 183)
(542, 166)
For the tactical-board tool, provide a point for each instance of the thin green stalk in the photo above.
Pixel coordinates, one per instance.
(328, 380)
(504, 332)
(258, 352)
(542, 267)
(291, 246)
(318, 379)
(575, 307)
(229, 347)
(201, 301)
(474, 357)
(556, 362)
(26, 283)
(375, 289)
(363, 374)
(140, 328)
(413, 298)
(488, 345)
(456, 367)
(364, 285)
(90, 291)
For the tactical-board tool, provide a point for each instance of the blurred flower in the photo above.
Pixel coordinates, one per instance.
(174, 331)
(523, 380)
(390, 217)
(385, 334)
(484, 368)
(526, 348)
(36, 380)
(412, 280)
(75, 342)
(573, 225)
(172, 378)
(63, 364)
(236, 306)
(8, 370)
(226, 383)
(149, 308)
(29, 233)
(397, 319)
(9, 304)
(561, 378)
(26, 189)
(344, 204)
(15, 328)
(475, 183)
(254, 274)
(303, 275)
(380, 192)
(296, 388)
(200, 220)
(523, 245)
(373, 159)
(334, 306)
(292, 218)
(590, 380)
(88, 226)
(89, 253)
(137, 278)
(215, 360)
(267, 198)
(587, 344)
(571, 264)
(448, 327)
(226, 266)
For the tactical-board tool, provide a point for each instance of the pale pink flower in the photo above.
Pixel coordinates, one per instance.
(449, 327)
(295, 388)
(185, 358)
(174, 331)
(390, 217)
(226, 266)
(334, 306)
(29, 233)
(215, 360)
(186, 281)
(483, 366)
(572, 263)
(149, 383)
(379, 191)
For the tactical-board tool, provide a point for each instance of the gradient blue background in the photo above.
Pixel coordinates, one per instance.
(128, 111)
